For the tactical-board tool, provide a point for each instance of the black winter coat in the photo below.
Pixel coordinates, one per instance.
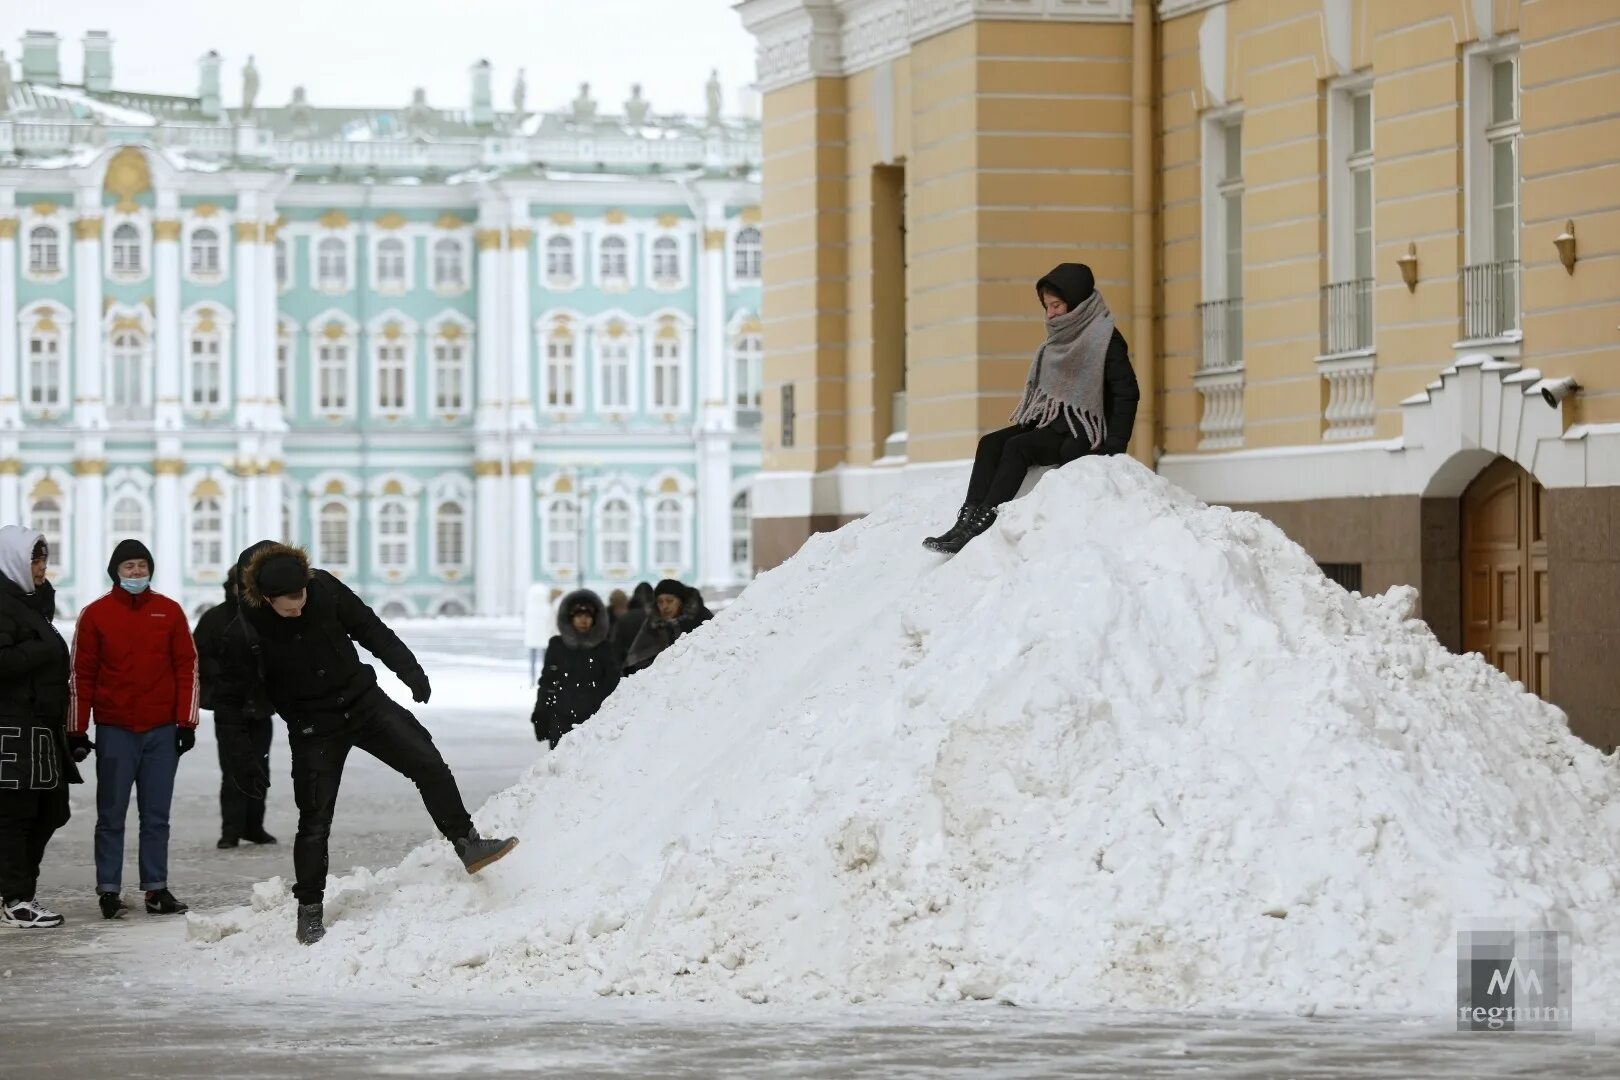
(35, 666)
(580, 672)
(658, 633)
(210, 639)
(308, 665)
(625, 629)
(1120, 398)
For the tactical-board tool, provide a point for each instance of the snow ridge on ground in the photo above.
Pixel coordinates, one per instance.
(1125, 750)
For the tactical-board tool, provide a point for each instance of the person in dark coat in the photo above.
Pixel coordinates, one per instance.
(35, 764)
(581, 669)
(678, 609)
(628, 625)
(1080, 398)
(295, 635)
(244, 744)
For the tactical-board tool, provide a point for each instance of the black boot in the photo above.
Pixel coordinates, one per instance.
(112, 905)
(225, 843)
(477, 853)
(162, 902)
(953, 535)
(310, 927)
(259, 837)
(977, 520)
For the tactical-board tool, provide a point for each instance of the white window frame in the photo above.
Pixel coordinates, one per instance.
(442, 566)
(61, 319)
(734, 255)
(62, 227)
(571, 233)
(1216, 189)
(349, 336)
(658, 507)
(199, 567)
(603, 280)
(286, 376)
(459, 242)
(141, 223)
(658, 327)
(557, 327)
(467, 343)
(747, 370)
(394, 508)
(608, 567)
(219, 223)
(550, 536)
(405, 282)
(405, 343)
(601, 339)
(59, 545)
(650, 272)
(1344, 162)
(1481, 136)
(143, 405)
(743, 567)
(335, 287)
(319, 501)
(190, 320)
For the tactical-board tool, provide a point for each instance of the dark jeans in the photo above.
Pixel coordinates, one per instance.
(146, 761)
(25, 829)
(1005, 457)
(244, 775)
(389, 733)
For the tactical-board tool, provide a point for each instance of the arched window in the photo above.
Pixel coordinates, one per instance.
(450, 374)
(748, 255)
(453, 609)
(750, 359)
(331, 264)
(44, 250)
(666, 261)
(613, 378)
(448, 271)
(450, 536)
(332, 374)
(283, 264)
(617, 539)
(666, 370)
(207, 369)
(128, 518)
(46, 516)
(742, 536)
(395, 610)
(126, 250)
(333, 534)
(207, 535)
(562, 534)
(394, 536)
(615, 261)
(392, 367)
(391, 263)
(667, 529)
(45, 365)
(126, 387)
(205, 258)
(560, 259)
(560, 367)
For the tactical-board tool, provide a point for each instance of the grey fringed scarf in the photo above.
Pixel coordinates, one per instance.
(1066, 378)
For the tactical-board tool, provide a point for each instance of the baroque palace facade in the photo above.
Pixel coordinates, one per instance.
(1366, 254)
(454, 352)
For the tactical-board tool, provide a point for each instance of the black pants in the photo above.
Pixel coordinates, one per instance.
(1005, 457)
(389, 733)
(26, 825)
(244, 775)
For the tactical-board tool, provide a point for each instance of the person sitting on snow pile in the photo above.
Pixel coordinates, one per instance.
(677, 609)
(1080, 398)
(581, 669)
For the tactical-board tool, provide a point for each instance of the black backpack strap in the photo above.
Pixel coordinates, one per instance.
(254, 643)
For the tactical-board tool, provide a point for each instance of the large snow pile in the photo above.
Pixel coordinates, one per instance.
(1127, 749)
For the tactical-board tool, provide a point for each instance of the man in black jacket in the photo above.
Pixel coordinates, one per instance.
(295, 633)
(244, 739)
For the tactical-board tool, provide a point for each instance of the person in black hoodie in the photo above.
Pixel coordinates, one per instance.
(295, 634)
(36, 766)
(581, 669)
(244, 741)
(1080, 398)
(628, 625)
(678, 609)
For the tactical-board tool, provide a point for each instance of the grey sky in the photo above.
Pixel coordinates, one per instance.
(366, 52)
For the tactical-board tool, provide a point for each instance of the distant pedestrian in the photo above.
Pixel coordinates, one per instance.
(36, 770)
(244, 739)
(295, 637)
(618, 603)
(135, 673)
(628, 625)
(678, 609)
(581, 668)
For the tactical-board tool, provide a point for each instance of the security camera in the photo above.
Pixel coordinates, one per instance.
(1557, 390)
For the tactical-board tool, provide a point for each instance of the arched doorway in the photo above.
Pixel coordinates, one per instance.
(1504, 574)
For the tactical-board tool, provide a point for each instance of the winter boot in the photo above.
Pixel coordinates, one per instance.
(27, 915)
(477, 853)
(310, 927)
(112, 905)
(260, 837)
(977, 520)
(225, 843)
(955, 534)
(162, 902)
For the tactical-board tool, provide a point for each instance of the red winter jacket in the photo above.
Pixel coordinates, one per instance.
(134, 664)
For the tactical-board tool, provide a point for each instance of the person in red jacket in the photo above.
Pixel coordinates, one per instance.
(135, 672)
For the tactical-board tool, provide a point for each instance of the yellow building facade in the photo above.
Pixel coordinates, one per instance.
(1366, 254)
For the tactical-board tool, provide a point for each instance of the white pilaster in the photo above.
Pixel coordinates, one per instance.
(10, 405)
(520, 537)
(89, 407)
(166, 304)
(89, 522)
(245, 270)
(270, 417)
(519, 239)
(489, 527)
(488, 567)
(716, 418)
(168, 531)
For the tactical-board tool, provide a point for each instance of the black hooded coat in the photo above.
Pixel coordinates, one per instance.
(1074, 283)
(581, 670)
(659, 633)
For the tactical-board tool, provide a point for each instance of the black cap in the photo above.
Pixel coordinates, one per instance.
(1071, 282)
(670, 587)
(281, 575)
(126, 550)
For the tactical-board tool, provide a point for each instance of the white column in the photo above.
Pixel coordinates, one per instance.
(89, 409)
(245, 272)
(265, 319)
(169, 528)
(520, 539)
(166, 313)
(10, 405)
(489, 568)
(716, 419)
(520, 237)
(89, 522)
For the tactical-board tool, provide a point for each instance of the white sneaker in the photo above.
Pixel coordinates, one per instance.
(27, 915)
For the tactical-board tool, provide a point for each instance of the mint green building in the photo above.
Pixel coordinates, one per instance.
(454, 352)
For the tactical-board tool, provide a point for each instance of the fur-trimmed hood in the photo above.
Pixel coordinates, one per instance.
(565, 625)
(249, 589)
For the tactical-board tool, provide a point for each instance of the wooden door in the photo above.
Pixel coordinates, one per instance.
(1504, 561)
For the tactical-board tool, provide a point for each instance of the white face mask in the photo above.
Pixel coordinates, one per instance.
(134, 585)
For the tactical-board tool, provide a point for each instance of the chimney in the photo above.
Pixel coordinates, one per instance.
(98, 73)
(483, 102)
(208, 85)
(41, 58)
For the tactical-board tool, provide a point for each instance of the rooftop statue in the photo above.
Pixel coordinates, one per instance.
(250, 87)
(713, 90)
(637, 107)
(584, 104)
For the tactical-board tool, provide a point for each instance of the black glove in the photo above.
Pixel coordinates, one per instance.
(80, 746)
(185, 738)
(420, 688)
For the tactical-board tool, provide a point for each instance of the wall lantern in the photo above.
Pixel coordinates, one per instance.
(1408, 265)
(1565, 243)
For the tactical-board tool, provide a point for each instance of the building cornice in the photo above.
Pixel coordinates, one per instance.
(1169, 9)
(804, 39)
